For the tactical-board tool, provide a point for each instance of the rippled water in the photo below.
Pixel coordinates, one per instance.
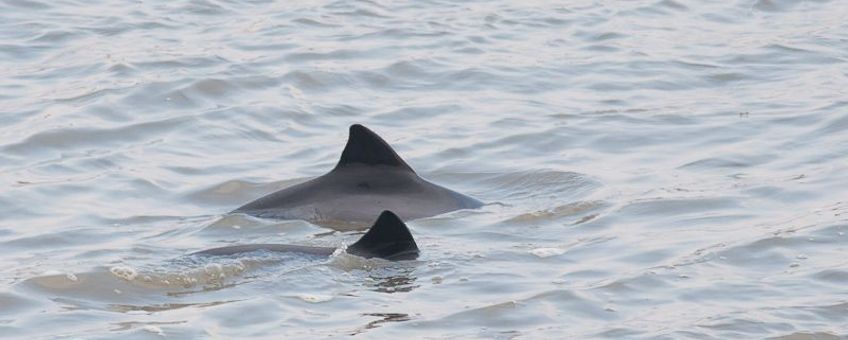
(653, 168)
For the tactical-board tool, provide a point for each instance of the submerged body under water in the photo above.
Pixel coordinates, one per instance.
(651, 168)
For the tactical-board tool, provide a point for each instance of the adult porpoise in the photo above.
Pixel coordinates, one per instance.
(388, 238)
(370, 177)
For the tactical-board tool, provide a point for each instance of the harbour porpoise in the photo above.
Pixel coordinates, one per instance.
(370, 177)
(388, 238)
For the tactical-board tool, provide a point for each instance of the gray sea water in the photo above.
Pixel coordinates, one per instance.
(653, 169)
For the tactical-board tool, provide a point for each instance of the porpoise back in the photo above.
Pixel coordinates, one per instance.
(370, 177)
(388, 238)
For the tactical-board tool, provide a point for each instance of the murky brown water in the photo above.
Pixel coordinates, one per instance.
(654, 168)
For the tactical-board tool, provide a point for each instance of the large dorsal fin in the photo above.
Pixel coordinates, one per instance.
(365, 147)
(388, 238)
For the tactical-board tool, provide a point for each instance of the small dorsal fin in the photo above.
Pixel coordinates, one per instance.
(365, 147)
(388, 238)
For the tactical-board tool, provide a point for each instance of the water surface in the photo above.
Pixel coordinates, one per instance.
(653, 169)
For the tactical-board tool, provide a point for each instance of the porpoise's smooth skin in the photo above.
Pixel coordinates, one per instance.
(280, 248)
(388, 238)
(369, 178)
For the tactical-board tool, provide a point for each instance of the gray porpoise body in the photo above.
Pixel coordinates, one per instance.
(388, 238)
(281, 248)
(369, 178)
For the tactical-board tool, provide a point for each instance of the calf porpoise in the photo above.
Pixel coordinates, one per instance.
(388, 238)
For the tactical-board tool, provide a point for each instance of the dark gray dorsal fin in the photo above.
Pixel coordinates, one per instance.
(388, 238)
(365, 147)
